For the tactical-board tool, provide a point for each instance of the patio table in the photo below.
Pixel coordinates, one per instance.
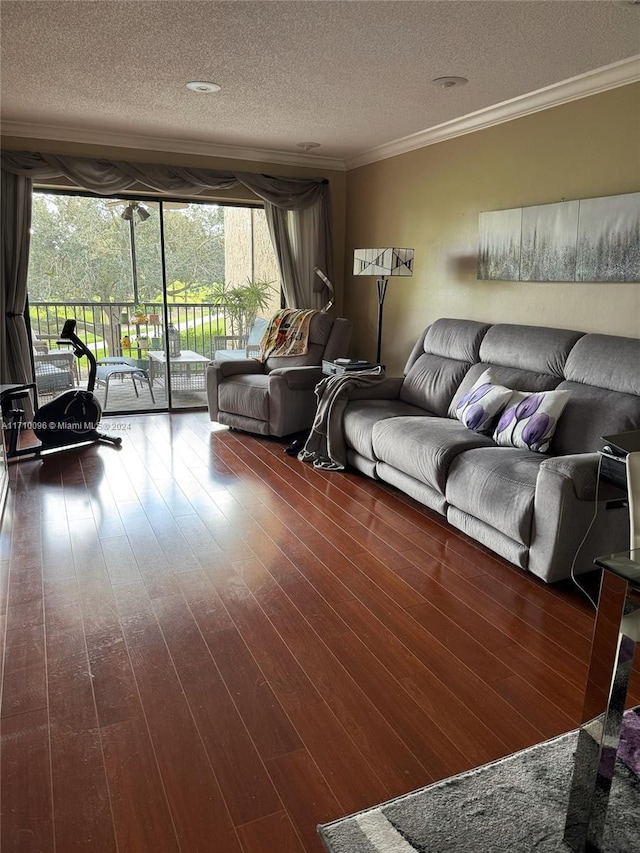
(187, 369)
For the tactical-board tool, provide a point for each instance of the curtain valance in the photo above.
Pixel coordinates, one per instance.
(115, 176)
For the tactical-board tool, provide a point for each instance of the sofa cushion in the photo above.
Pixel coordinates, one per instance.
(439, 362)
(591, 413)
(603, 375)
(457, 339)
(424, 447)
(530, 420)
(245, 394)
(431, 383)
(361, 416)
(479, 407)
(532, 348)
(606, 361)
(496, 485)
(529, 358)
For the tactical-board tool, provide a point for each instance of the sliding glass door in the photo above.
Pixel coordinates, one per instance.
(155, 286)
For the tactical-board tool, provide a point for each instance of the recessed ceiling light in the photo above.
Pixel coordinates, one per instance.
(202, 87)
(449, 82)
(308, 145)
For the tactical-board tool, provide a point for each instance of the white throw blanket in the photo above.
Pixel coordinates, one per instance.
(325, 447)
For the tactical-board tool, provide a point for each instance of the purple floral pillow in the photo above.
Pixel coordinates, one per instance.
(479, 407)
(530, 420)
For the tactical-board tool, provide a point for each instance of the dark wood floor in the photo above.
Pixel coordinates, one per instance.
(210, 646)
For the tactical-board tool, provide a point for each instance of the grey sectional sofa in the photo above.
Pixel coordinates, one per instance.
(534, 509)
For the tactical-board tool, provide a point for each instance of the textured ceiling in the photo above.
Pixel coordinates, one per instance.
(349, 75)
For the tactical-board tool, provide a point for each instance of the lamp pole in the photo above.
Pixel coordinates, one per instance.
(382, 290)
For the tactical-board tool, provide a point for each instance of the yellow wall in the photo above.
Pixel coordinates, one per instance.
(337, 180)
(430, 199)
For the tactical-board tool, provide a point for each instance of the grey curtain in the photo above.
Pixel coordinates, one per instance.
(298, 210)
(297, 213)
(295, 238)
(15, 207)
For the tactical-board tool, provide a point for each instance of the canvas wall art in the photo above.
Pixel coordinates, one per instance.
(595, 239)
(500, 236)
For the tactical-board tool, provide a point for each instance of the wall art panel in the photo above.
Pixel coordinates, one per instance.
(595, 239)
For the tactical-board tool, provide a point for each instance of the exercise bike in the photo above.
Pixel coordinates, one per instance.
(70, 419)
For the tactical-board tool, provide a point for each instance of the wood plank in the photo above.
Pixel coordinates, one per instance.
(141, 815)
(249, 795)
(25, 598)
(566, 648)
(275, 832)
(198, 810)
(83, 819)
(378, 741)
(27, 814)
(352, 777)
(262, 712)
(306, 795)
(518, 691)
(24, 678)
(82, 807)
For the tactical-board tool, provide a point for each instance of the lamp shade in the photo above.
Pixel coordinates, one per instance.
(383, 261)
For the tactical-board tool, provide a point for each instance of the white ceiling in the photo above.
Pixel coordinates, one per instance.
(353, 76)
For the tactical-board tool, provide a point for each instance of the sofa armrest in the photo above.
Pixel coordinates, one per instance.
(387, 389)
(299, 378)
(582, 469)
(234, 366)
(569, 528)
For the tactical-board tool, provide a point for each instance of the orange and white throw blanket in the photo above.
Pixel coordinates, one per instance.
(287, 333)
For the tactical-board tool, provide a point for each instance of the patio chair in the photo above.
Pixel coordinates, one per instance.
(120, 366)
(240, 346)
(53, 370)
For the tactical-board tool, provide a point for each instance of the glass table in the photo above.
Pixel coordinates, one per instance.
(615, 636)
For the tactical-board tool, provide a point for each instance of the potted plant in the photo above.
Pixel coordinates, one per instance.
(139, 315)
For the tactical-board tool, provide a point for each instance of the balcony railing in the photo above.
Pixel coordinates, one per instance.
(115, 328)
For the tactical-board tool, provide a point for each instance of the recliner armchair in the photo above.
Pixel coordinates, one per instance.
(276, 397)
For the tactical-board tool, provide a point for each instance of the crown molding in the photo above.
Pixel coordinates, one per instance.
(591, 83)
(61, 133)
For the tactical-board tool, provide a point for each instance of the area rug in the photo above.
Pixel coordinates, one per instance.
(515, 805)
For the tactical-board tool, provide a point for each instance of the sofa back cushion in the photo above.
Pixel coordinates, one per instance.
(524, 358)
(439, 361)
(603, 375)
(532, 349)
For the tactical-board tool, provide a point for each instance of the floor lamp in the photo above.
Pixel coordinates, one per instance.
(383, 263)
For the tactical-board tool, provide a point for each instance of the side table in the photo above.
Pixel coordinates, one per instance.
(9, 393)
(615, 636)
(330, 368)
